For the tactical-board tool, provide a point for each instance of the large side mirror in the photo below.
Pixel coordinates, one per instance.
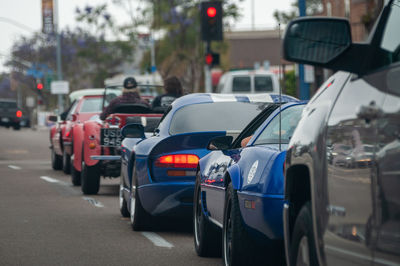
(52, 118)
(220, 143)
(316, 41)
(133, 130)
(74, 117)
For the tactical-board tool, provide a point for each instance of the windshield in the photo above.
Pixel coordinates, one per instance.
(290, 118)
(8, 105)
(91, 105)
(217, 116)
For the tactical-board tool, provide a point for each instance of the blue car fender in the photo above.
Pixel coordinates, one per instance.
(236, 177)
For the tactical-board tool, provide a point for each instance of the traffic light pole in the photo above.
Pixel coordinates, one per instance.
(304, 87)
(58, 57)
(207, 72)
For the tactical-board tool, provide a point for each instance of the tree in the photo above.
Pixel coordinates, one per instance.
(180, 51)
(312, 7)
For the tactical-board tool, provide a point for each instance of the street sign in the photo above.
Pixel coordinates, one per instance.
(30, 101)
(47, 16)
(59, 87)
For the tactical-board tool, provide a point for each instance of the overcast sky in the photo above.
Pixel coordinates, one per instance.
(28, 12)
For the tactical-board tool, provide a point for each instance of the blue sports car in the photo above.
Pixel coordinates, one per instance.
(239, 189)
(158, 172)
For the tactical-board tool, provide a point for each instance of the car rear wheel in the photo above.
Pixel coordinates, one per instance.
(17, 126)
(90, 179)
(66, 163)
(123, 206)
(238, 248)
(56, 160)
(207, 238)
(302, 251)
(140, 219)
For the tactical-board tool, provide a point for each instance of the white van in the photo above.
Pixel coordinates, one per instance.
(248, 81)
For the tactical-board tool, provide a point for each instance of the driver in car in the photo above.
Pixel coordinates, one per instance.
(130, 94)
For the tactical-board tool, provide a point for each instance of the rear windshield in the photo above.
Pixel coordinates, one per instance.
(8, 105)
(241, 84)
(263, 84)
(217, 116)
(91, 105)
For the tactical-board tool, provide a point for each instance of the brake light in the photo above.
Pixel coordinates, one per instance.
(18, 113)
(178, 161)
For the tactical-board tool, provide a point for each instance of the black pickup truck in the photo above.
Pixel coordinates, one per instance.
(10, 114)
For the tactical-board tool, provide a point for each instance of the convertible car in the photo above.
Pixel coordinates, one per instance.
(239, 189)
(158, 172)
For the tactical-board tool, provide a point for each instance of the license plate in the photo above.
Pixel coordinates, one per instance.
(110, 137)
(5, 119)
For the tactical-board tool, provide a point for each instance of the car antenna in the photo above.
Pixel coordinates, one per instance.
(280, 89)
(104, 98)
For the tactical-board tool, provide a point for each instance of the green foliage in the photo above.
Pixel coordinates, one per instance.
(312, 7)
(290, 83)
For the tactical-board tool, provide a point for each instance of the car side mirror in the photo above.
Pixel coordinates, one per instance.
(52, 118)
(316, 41)
(133, 130)
(220, 143)
(74, 117)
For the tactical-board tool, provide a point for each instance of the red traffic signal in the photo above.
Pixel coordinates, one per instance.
(39, 86)
(209, 59)
(212, 59)
(211, 12)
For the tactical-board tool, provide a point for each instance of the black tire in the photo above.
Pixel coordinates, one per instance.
(140, 219)
(123, 205)
(56, 160)
(90, 179)
(238, 248)
(303, 238)
(75, 176)
(66, 163)
(207, 237)
(16, 126)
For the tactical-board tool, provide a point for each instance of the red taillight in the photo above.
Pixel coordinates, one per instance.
(178, 161)
(68, 133)
(18, 113)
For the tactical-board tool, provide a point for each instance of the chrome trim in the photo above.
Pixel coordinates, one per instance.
(106, 157)
(286, 235)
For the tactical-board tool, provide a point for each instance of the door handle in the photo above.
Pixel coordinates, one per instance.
(370, 112)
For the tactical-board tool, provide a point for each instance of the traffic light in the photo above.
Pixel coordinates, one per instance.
(39, 86)
(212, 59)
(211, 21)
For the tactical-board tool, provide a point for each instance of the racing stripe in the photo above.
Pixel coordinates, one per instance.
(260, 98)
(222, 97)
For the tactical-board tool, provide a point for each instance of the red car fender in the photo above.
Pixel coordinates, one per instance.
(91, 141)
(78, 144)
(52, 132)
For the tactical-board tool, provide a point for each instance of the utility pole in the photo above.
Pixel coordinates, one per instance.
(304, 87)
(58, 55)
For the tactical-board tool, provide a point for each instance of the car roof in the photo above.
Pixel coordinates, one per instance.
(249, 72)
(79, 93)
(196, 98)
(7, 100)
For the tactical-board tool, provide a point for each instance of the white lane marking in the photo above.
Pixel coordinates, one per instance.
(157, 240)
(49, 179)
(14, 167)
(94, 202)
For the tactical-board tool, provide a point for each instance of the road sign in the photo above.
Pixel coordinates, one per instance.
(47, 16)
(30, 101)
(59, 87)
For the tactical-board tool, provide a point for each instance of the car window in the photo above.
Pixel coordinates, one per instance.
(263, 84)
(217, 116)
(91, 105)
(241, 84)
(72, 110)
(391, 37)
(8, 105)
(290, 117)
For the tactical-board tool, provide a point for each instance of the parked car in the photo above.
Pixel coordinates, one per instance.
(10, 114)
(61, 134)
(248, 81)
(338, 215)
(97, 145)
(158, 173)
(239, 189)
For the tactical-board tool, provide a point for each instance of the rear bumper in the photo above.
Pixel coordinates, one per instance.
(167, 198)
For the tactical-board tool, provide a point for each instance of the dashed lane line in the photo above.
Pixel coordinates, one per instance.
(157, 240)
(49, 179)
(94, 202)
(14, 167)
